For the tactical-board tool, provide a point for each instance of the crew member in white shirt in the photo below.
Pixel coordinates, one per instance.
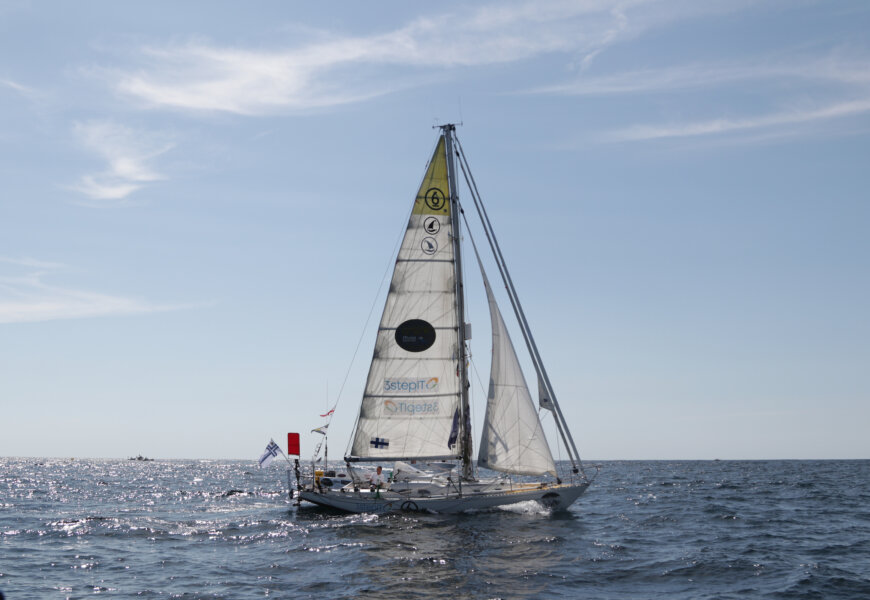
(378, 480)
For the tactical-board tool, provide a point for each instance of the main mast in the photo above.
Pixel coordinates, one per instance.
(448, 131)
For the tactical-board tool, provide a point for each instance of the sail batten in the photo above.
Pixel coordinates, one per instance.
(403, 458)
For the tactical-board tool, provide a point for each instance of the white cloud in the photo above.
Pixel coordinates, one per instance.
(332, 69)
(31, 262)
(27, 298)
(21, 89)
(338, 70)
(128, 153)
(807, 90)
(724, 126)
(854, 71)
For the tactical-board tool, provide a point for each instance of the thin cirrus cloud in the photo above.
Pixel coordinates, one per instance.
(129, 155)
(25, 297)
(806, 90)
(333, 70)
(824, 71)
(18, 87)
(724, 126)
(31, 262)
(336, 70)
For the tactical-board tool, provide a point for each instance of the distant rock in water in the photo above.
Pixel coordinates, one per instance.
(234, 493)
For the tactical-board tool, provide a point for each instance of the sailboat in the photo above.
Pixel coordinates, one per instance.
(415, 413)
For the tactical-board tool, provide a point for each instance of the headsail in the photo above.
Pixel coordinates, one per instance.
(512, 439)
(413, 392)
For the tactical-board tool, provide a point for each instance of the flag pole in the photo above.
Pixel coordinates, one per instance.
(287, 458)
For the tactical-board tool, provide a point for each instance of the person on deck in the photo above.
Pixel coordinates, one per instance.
(378, 480)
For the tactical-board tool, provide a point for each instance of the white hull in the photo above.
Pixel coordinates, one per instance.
(554, 497)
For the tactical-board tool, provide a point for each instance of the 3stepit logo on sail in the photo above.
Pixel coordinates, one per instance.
(410, 385)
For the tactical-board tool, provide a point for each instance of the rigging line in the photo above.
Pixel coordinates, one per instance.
(390, 263)
(515, 303)
(479, 380)
(486, 283)
(542, 415)
(480, 264)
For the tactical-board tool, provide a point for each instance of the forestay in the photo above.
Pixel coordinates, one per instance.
(412, 394)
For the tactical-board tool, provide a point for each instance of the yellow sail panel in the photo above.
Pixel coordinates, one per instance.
(434, 195)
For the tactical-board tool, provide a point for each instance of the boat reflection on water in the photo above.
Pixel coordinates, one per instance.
(458, 556)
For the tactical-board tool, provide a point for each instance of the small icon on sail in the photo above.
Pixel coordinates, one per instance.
(429, 246)
(431, 225)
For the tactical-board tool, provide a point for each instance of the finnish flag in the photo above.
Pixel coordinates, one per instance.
(269, 455)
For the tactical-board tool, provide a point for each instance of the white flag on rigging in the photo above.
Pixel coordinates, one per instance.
(269, 454)
(543, 397)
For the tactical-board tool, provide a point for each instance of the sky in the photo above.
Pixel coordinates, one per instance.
(200, 202)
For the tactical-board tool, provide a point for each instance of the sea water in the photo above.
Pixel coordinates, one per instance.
(224, 529)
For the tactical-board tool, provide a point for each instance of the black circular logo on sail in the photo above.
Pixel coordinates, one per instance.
(435, 199)
(415, 335)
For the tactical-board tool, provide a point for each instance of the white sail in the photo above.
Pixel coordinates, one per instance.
(412, 396)
(512, 439)
(415, 404)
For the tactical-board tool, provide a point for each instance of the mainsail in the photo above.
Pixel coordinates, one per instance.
(412, 394)
(512, 439)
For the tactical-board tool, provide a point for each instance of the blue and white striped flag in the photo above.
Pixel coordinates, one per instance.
(269, 455)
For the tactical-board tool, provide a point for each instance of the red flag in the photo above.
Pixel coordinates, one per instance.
(293, 444)
(329, 413)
